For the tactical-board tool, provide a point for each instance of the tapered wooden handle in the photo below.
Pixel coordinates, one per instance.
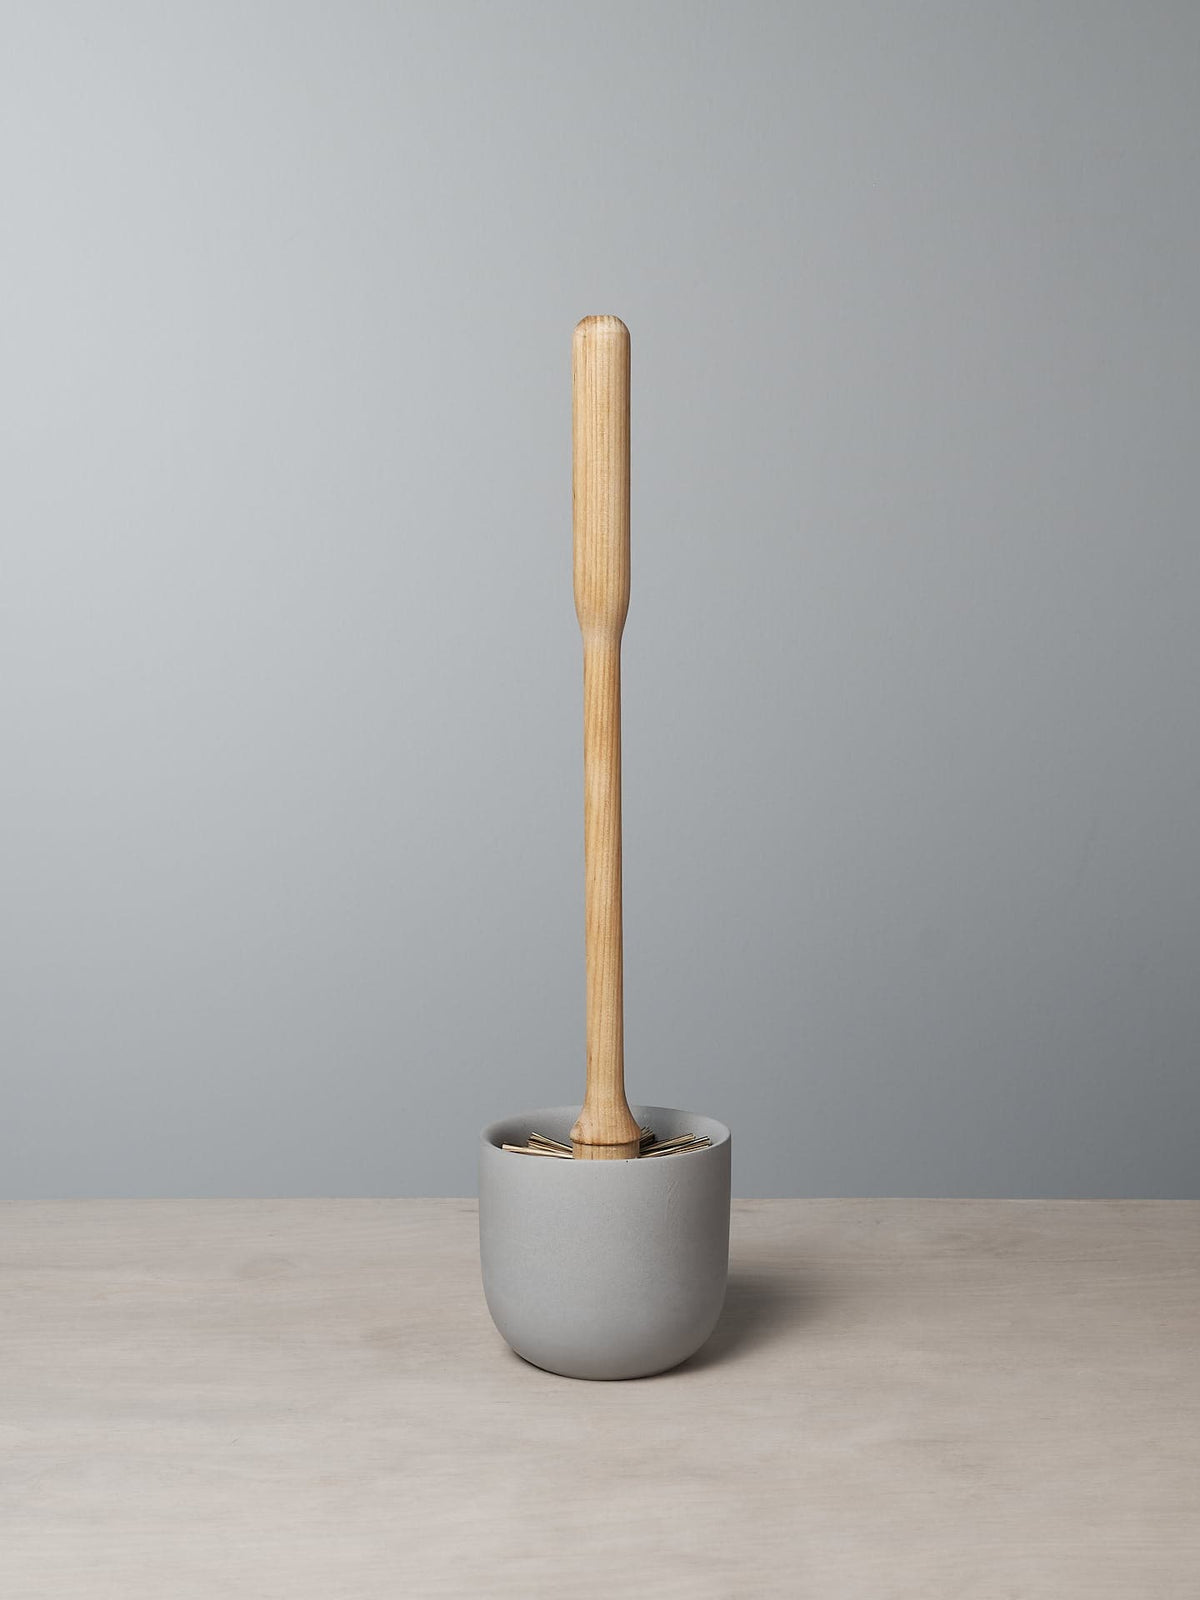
(606, 1129)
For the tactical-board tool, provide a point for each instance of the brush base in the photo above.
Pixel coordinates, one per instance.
(604, 1269)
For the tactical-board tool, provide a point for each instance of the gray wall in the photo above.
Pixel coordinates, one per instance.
(292, 799)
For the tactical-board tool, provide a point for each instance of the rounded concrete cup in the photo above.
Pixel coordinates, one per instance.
(604, 1269)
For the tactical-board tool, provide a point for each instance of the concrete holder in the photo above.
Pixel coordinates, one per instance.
(604, 1269)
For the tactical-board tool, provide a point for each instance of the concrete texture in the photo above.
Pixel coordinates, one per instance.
(604, 1269)
(301, 1400)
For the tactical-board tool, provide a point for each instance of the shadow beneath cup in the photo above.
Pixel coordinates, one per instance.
(761, 1309)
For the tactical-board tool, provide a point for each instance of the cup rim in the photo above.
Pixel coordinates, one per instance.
(493, 1135)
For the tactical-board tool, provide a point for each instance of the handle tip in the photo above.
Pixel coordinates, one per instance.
(601, 328)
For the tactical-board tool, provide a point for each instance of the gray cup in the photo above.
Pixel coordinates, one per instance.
(604, 1269)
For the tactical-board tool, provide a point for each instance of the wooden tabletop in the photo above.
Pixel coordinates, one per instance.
(905, 1400)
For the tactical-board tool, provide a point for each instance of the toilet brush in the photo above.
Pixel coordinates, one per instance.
(604, 1253)
(605, 1129)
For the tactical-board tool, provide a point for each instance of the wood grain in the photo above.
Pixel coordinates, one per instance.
(606, 1129)
(306, 1400)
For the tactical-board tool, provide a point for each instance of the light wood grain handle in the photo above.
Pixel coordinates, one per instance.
(606, 1129)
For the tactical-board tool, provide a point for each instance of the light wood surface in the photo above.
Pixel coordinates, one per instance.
(305, 1400)
(606, 1129)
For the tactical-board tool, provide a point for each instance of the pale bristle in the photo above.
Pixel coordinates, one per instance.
(540, 1144)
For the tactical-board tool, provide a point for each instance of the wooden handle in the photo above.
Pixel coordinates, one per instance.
(606, 1129)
